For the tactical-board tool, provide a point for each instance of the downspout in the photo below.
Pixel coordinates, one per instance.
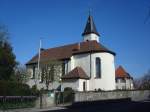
(67, 66)
(90, 45)
(90, 64)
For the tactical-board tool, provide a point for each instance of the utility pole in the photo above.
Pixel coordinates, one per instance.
(39, 57)
(37, 74)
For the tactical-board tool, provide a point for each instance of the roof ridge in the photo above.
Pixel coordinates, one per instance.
(66, 51)
(71, 44)
(62, 46)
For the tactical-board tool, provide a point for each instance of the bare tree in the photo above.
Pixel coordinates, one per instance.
(143, 82)
(50, 71)
(21, 74)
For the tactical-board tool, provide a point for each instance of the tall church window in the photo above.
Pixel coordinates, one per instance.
(42, 75)
(98, 67)
(63, 68)
(33, 75)
(84, 88)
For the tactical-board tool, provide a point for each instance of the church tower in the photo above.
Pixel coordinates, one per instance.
(90, 32)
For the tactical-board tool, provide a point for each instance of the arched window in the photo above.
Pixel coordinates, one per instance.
(84, 88)
(98, 68)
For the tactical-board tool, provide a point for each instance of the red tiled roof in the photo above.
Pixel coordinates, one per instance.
(121, 73)
(76, 73)
(65, 52)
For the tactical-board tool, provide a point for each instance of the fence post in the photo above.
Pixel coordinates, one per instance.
(63, 97)
(4, 102)
(41, 100)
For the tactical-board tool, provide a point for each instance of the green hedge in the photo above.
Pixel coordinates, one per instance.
(10, 102)
(16, 105)
(10, 88)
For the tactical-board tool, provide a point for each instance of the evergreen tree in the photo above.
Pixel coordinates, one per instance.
(7, 58)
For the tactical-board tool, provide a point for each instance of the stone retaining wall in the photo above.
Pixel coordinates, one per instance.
(136, 95)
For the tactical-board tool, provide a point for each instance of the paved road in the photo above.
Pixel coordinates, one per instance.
(99, 106)
(119, 106)
(33, 109)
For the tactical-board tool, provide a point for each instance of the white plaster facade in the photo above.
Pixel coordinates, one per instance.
(90, 37)
(76, 84)
(124, 84)
(107, 80)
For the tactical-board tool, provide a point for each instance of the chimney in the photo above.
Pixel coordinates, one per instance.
(77, 47)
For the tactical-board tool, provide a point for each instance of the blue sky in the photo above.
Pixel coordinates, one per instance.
(59, 22)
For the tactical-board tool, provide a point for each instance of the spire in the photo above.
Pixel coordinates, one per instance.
(90, 27)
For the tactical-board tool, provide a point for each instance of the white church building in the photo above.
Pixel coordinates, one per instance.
(88, 65)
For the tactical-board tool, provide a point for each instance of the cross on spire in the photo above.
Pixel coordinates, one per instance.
(90, 10)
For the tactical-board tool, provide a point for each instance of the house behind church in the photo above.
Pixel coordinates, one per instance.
(124, 81)
(87, 65)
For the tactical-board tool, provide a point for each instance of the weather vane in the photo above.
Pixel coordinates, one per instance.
(90, 10)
